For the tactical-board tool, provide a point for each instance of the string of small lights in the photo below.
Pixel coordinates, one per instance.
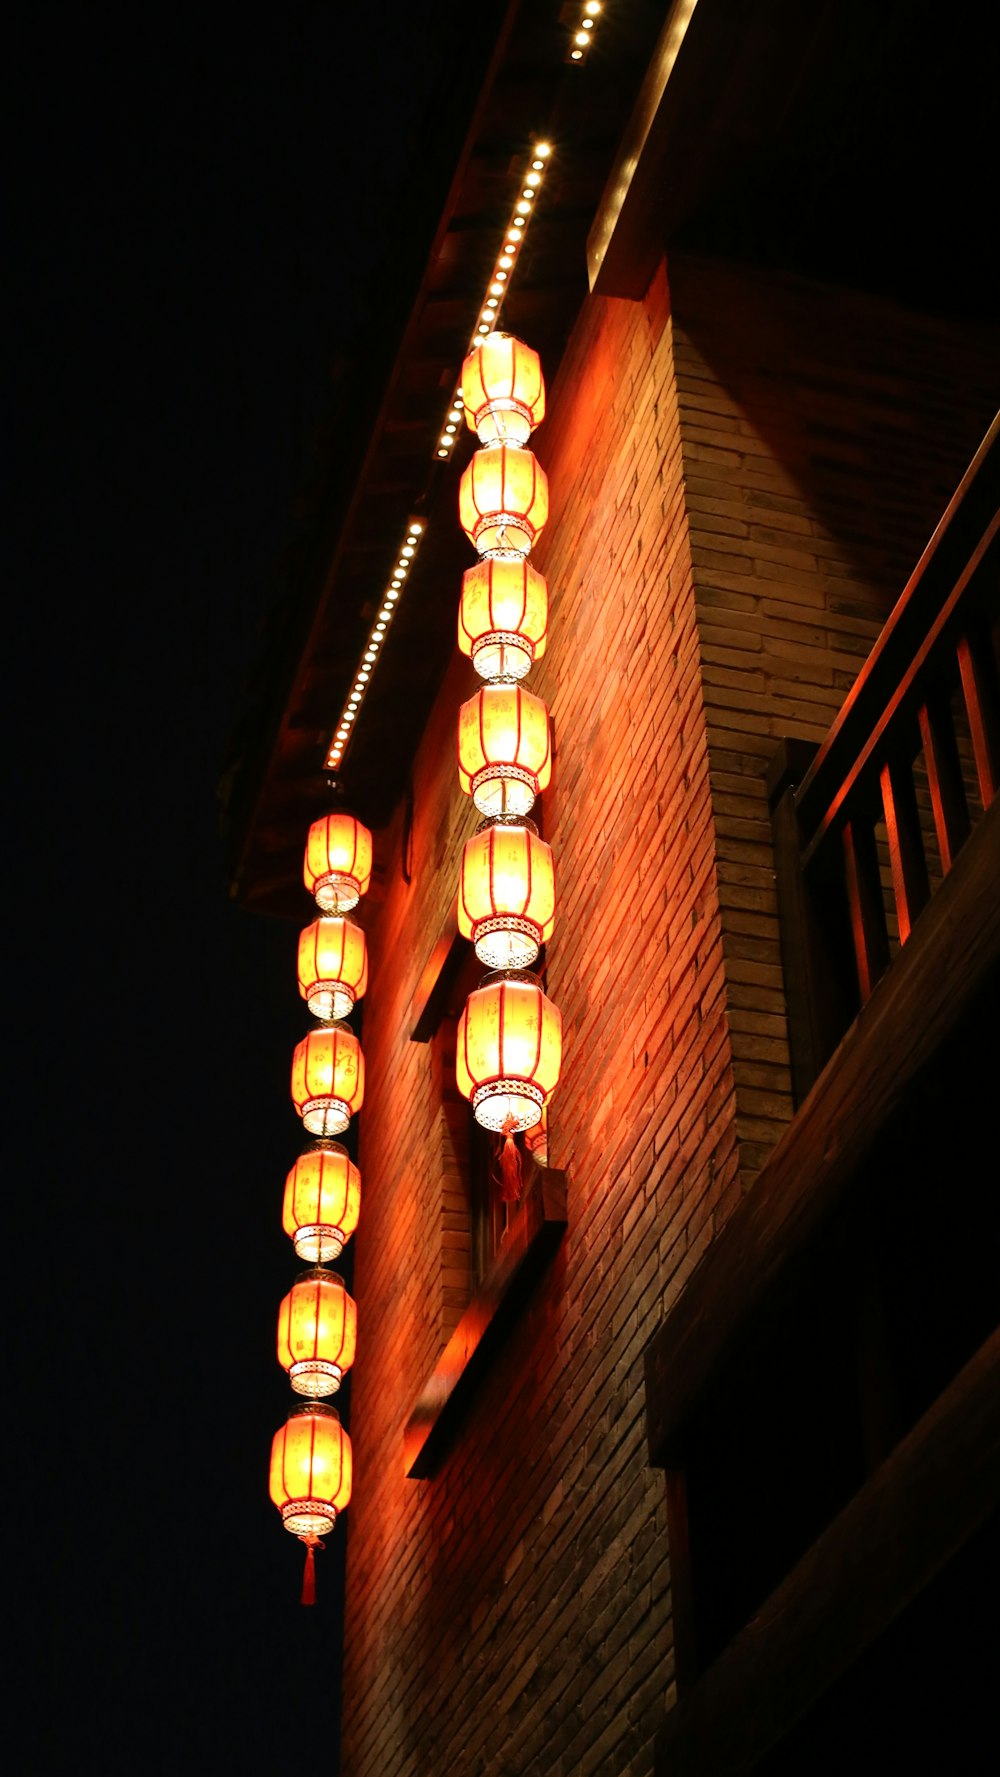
(489, 312)
(349, 714)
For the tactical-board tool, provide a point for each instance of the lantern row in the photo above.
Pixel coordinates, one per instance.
(311, 1463)
(509, 1041)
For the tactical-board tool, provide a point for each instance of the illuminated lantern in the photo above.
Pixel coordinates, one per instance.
(322, 1202)
(506, 894)
(333, 967)
(503, 501)
(504, 757)
(310, 1478)
(338, 862)
(503, 617)
(317, 1332)
(503, 390)
(328, 1079)
(508, 1053)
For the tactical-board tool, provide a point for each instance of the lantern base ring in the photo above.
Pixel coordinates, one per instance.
(513, 536)
(331, 1001)
(308, 1517)
(318, 1241)
(315, 1376)
(492, 1107)
(503, 421)
(336, 892)
(506, 941)
(515, 653)
(503, 789)
(325, 1116)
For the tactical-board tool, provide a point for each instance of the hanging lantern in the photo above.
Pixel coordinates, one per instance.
(317, 1332)
(502, 618)
(508, 1052)
(310, 1478)
(328, 1079)
(322, 1202)
(503, 501)
(504, 759)
(333, 967)
(338, 862)
(506, 894)
(503, 390)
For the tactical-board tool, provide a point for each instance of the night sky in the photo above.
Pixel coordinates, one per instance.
(200, 200)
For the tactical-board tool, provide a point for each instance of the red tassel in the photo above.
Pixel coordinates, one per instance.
(510, 1164)
(309, 1575)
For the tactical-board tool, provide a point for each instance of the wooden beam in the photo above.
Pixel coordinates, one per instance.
(921, 1507)
(715, 81)
(921, 1004)
(531, 1238)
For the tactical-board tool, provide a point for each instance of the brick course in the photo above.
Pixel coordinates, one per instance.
(718, 567)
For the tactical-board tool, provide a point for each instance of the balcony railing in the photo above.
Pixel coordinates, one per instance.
(867, 827)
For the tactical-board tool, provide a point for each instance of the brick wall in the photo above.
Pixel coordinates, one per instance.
(718, 564)
(823, 434)
(512, 1615)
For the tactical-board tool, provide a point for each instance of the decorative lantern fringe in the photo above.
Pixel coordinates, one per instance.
(309, 1574)
(511, 1175)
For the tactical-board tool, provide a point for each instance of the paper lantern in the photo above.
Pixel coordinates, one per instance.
(504, 758)
(508, 1052)
(502, 618)
(322, 1202)
(310, 1478)
(506, 895)
(503, 501)
(503, 390)
(338, 862)
(328, 1079)
(333, 967)
(317, 1332)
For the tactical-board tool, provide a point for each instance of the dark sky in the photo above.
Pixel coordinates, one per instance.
(198, 199)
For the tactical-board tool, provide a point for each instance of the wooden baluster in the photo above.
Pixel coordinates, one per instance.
(910, 885)
(981, 686)
(944, 777)
(864, 898)
(687, 1664)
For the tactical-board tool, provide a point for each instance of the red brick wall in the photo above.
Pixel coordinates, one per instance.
(516, 1609)
(718, 563)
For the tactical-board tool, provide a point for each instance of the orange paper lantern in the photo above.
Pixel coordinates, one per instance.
(503, 501)
(310, 1478)
(503, 617)
(317, 1332)
(333, 967)
(506, 895)
(503, 390)
(322, 1202)
(328, 1079)
(508, 1052)
(338, 862)
(504, 759)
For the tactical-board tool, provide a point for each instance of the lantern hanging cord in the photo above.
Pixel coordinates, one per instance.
(312, 1543)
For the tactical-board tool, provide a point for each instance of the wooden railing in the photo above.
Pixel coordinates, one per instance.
(869, 825)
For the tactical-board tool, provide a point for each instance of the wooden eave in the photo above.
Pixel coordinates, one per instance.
(273, 785)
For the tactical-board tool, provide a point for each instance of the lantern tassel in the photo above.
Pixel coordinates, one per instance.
(309, 1574)
(510, 1164)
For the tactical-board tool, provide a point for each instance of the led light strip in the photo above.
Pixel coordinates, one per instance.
(489, 315)
(584, 36)
(404, 561)
(499, 279)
